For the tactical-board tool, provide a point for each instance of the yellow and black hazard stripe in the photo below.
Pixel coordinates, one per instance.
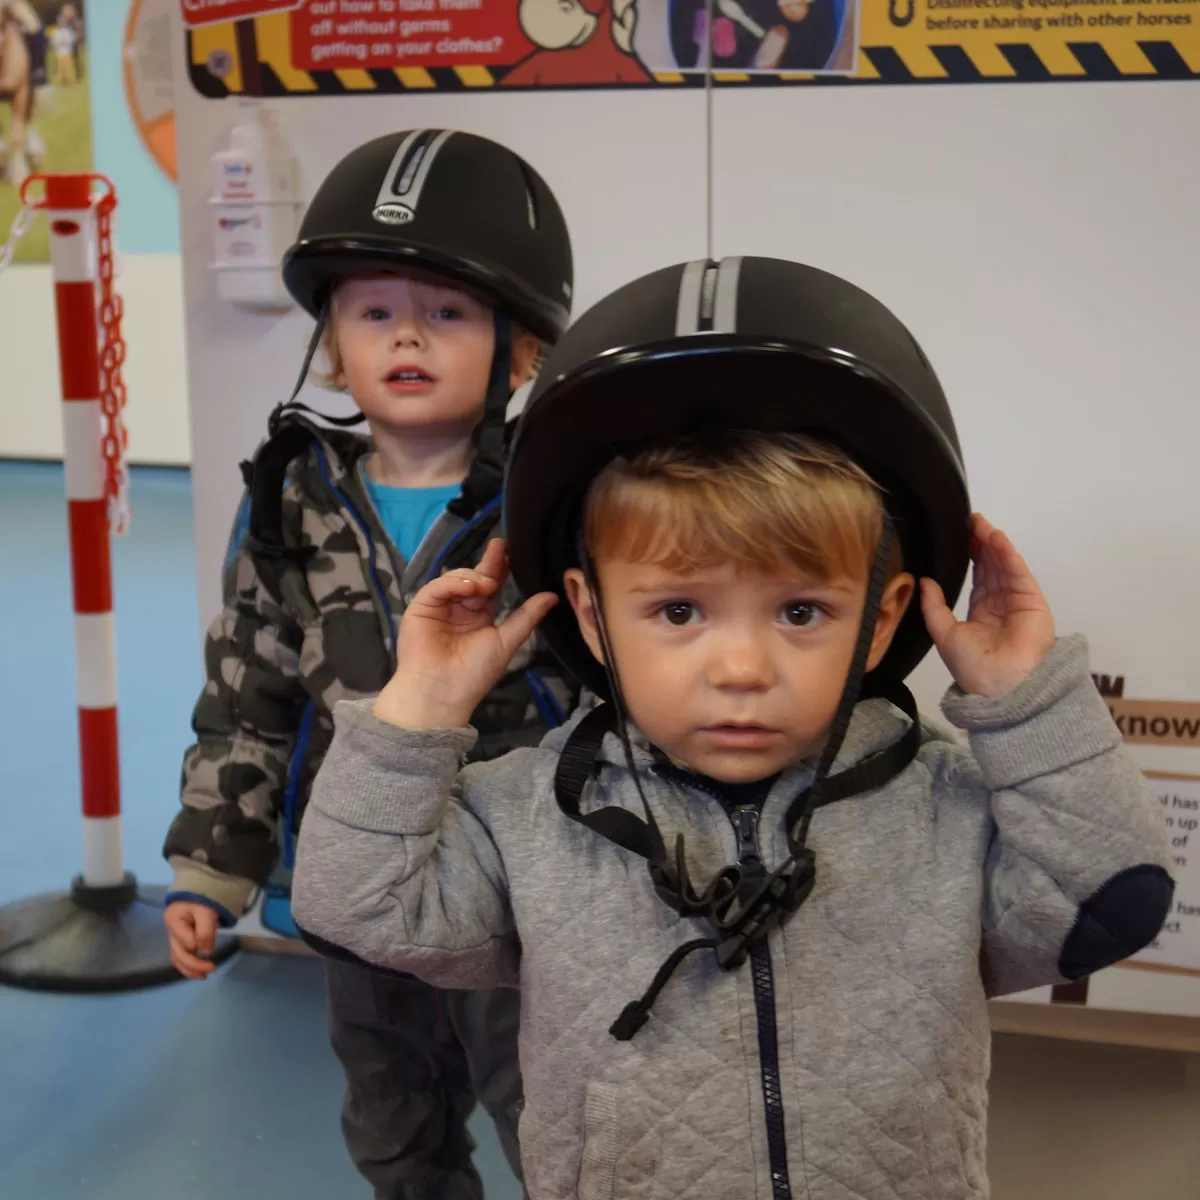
(1078, 61)
(253, 58)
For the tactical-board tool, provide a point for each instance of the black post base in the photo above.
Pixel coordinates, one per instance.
(90, 940)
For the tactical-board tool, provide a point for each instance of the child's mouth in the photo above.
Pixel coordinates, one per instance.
(408, 379)
(734, 736)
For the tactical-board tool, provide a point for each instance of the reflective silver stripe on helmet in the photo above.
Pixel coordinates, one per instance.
(708, 297)
(409, 168)
(691, 291)
(724, 313)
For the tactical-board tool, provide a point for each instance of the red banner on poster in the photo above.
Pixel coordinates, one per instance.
(370, 34)
(212, 12)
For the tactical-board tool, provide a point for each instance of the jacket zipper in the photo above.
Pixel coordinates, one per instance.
(745, 824)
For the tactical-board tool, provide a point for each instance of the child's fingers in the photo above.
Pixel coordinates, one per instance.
(516, 629)
(191, 967)
(206, 931)
(180, 928)
(986, 576)
(981, 527)
(1011, 565)
(186, 963)
(456, 586)
(939, 619)
(494, 563)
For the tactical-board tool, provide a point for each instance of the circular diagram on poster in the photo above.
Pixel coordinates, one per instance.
(147, 71)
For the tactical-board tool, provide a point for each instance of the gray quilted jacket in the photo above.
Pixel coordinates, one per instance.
(848, 1063)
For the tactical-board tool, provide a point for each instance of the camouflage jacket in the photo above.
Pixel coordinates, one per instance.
(291, 642)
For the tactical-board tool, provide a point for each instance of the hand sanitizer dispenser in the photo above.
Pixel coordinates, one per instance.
(254, 206)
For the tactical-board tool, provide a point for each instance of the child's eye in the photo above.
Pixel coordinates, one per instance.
(376, 314)
(799, 613)
(447, 314)
(678, 612)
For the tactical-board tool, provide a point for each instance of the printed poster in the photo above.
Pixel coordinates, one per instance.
(321, 46)
(1178, 944)
(45, 115)
(328, 47)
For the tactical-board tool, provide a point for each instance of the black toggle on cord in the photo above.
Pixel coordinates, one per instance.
(637, 1012)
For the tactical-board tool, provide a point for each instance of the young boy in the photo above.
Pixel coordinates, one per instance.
(734, 476)
(429, 322)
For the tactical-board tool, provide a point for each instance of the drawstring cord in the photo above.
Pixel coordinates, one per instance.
(637, 1012)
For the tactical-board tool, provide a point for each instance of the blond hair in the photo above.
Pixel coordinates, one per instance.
(761, 502)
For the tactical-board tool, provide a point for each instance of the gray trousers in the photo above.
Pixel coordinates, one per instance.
(416, 1058)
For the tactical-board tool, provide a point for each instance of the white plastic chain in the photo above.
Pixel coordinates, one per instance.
(20, 226)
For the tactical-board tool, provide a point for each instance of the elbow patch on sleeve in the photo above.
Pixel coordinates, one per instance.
(1122, 917)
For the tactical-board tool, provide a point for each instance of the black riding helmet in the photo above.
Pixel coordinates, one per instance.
(753, 344)
(453, 203)
(462, 207)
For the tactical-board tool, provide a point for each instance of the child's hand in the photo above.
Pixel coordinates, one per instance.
(191, 931)
(1009, 627)
(450, 652)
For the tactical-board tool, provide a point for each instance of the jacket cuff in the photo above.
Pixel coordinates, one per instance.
(228, 894)
(1053, 719)
(385, 779)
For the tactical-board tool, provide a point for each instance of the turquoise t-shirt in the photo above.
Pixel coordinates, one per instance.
(409, 513)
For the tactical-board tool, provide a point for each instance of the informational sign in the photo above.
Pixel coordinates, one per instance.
(1157, 722)
(341, 34)
(324, 47)
(1177, 947)
(212, 12)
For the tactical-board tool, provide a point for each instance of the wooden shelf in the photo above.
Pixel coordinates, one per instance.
(1153, 1031)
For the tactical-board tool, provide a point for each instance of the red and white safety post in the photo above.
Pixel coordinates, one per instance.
(106, 933)
(93, 445)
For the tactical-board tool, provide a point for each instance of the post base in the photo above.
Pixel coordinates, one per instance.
(91, 940)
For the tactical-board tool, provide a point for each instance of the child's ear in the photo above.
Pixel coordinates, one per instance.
(525, 351)
(892, 607)
(580, 596)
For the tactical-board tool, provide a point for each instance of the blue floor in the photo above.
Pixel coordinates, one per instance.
(216, 1091)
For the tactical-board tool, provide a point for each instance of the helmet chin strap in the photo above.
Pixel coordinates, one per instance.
(485, 477)
(740, 905)
(294, 405)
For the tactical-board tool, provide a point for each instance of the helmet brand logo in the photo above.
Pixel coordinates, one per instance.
(393, 214)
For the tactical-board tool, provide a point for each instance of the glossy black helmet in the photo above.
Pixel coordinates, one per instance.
(452, 203)
(748, 343)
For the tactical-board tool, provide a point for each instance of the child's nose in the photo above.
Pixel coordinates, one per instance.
(407, 330)
(741, 662)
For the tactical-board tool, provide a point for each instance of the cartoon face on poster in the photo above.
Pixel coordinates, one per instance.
(45, 120)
